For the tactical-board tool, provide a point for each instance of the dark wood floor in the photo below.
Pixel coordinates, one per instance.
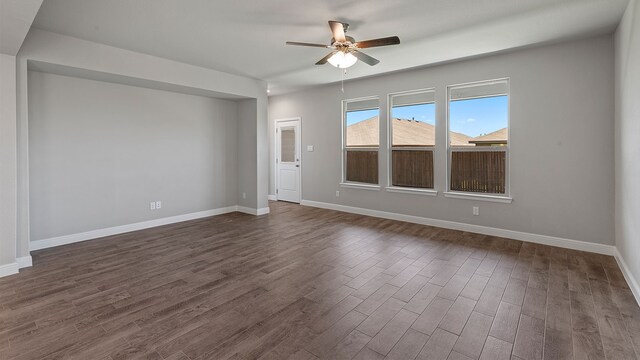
(305, 283)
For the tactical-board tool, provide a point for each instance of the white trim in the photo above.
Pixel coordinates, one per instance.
(480, 197)
(252, 211)
(361, 186)
(390, 146)
(272, 197)
(506, 149)
(25, 261)
(511, 234)
(628, 276)
(8, 269)
(93, 234)
(343, 129)
(416, 191)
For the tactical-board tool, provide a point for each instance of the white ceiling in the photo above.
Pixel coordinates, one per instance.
(16, 17)
(247, 37)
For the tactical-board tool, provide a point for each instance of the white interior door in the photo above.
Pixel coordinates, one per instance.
(288, 160)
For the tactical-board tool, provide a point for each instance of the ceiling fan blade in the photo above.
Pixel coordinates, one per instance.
(392, 40)
(365, 58)
(307, 44)
(338, 30)
(326, 58)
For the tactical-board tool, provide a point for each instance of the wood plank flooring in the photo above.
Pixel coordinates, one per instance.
(305, 283)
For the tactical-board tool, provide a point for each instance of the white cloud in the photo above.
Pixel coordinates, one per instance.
(470, 120)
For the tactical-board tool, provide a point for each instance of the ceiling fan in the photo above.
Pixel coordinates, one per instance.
(346, 51)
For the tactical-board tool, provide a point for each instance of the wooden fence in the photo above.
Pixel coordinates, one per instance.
(478, 171)
(471, 171)
(362, 166)
(412, 168)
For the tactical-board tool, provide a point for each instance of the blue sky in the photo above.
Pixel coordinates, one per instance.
(422, 112)
(471, 117)
(357, 116)
(478, 116)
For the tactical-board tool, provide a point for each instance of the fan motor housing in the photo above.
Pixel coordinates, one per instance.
(350, 41)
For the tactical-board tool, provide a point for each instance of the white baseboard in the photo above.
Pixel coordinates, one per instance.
(631, 280)
(252, 211)
(485, 230)
(272, 197)
(93, 234)
(24, 261)
(8, 269)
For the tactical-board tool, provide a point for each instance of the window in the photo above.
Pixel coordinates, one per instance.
(412, 138)
(478, 119)
(288, 144)
(361, 140)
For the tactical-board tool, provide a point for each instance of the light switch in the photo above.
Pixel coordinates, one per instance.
(309, 148)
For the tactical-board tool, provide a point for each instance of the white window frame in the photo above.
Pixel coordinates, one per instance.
(492, 197)
(390, 147)
(354, 184)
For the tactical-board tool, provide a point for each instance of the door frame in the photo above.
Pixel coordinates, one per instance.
(275, 154)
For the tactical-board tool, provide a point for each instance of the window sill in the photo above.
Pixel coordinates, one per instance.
(479, 197)
(360, 186)
(417, 191)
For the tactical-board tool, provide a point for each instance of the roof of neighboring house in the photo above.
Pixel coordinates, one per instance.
(363, 133)
(410, 132)
(496, 137)
(405, 133)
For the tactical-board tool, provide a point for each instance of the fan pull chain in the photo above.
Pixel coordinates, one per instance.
(343, 73)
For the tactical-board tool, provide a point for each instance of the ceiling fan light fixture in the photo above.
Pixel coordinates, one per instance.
(345, 50)
(342, 60)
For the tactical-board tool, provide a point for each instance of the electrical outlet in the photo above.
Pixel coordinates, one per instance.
(476, 210)
(158, 204)
(337, 193)
(310, 148)
(244, 195)
(152, 205)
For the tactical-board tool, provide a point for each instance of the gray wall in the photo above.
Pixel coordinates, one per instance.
(100, 152)
(7, 159)
(627, 154)
(79, 57)
(562, 108)
(247, 151)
